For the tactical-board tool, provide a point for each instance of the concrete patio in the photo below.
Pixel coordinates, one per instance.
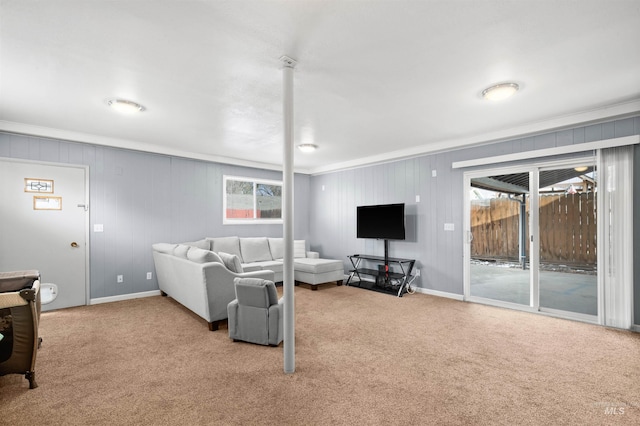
(567, 291)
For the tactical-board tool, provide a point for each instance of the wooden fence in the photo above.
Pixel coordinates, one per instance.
(248, 214)
(567, 229)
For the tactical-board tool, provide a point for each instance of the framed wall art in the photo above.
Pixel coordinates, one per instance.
(38, 185)
(47, 203)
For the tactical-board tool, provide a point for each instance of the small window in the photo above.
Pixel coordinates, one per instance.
(248, 200)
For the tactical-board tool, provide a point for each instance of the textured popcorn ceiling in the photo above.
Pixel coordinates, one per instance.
(375, 80)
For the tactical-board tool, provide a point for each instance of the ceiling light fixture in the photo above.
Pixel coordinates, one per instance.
(124, 106)
(500, 91)
(581, 169)
(307, 147)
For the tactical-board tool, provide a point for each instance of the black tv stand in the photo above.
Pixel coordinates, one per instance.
(385, 279)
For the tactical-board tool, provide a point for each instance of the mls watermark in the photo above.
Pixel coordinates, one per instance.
(615, 408)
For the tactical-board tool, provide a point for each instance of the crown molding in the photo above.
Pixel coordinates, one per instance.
(617, 111)
(87, 138)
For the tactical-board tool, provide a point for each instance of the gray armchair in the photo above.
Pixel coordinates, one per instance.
(256, 314)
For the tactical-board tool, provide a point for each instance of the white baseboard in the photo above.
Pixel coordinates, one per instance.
(439, 293)
(121, 297)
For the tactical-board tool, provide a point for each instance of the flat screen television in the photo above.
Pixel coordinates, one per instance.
(384, 222)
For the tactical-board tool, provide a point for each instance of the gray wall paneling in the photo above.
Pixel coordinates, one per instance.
(636, 231)
(144, 198)
(439, 253)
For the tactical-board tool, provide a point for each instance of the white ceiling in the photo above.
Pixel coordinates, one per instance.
(375, 80)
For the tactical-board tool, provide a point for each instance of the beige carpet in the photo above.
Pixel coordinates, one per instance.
(362, 358)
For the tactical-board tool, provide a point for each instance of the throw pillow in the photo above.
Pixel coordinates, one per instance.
(231, 261)
(198, 255)
(255, 249)
(164, 247)
(181, 251)
(204, 244)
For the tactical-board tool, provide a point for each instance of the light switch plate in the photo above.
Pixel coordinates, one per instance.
(449, 227)
(98, 227)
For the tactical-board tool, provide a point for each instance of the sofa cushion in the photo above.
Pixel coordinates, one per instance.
(231, 261)
(272, 265)
(276, 246)
(299, 249)
(164, 247)
(254, 250)
(202, 244)
(229, 245)
(181, 251)
(318, 266)
(198, 255)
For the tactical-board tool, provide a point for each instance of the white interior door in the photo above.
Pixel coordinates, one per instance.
(48, 233)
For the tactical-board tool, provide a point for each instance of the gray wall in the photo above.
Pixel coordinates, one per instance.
(439, 253)
(636, 233)
(143, 198)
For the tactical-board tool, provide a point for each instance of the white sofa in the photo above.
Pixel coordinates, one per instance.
(262, 253)
(200, 274)
(198, 280)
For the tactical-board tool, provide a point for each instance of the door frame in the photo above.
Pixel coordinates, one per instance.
(533, 167)
(87, 219)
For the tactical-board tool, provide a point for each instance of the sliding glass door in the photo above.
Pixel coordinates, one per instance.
(567, 217)
(532, 237)
(499, 235)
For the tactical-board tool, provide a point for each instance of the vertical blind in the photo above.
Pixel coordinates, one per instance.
(617, 178)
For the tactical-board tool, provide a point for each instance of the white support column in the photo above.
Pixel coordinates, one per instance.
(287, 214)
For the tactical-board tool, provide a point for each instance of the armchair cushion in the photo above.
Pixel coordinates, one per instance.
(255, 292)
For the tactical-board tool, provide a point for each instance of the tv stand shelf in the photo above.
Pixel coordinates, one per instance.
(384, 278)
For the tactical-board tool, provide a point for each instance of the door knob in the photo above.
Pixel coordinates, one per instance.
(74, 244)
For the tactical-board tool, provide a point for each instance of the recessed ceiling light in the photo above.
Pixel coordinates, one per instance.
(500, 91)
(307, 147)
(124, 106)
